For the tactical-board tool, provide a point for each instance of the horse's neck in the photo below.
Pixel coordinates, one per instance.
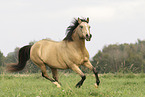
(79, 43)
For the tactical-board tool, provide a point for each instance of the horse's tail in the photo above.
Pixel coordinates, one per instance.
(23, 57)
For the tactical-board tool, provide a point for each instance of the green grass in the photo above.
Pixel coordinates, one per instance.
(33, 85)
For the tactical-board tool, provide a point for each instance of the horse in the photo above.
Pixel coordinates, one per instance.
(70, 53)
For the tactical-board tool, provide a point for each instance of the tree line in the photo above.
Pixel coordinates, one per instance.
(121, 58)
(111, 59)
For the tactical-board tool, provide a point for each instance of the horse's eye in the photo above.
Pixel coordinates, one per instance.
(81, 26)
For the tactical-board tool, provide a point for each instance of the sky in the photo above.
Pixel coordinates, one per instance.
(111, 21)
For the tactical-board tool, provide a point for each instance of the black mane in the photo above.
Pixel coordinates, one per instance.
(71, 28)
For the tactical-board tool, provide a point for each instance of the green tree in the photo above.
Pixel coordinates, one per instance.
(12, 57)
(121, 57)
(1, 58)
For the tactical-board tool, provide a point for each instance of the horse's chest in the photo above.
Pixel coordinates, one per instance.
(78, 57)
(83, 58)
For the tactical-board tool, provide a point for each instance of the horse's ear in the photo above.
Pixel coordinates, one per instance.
(79, 21)
(87, 19)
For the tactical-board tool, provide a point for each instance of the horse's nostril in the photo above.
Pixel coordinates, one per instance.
(86, 35)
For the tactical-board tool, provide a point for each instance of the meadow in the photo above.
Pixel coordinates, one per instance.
(33, 85)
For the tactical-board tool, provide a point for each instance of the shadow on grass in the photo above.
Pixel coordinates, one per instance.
(95, 94)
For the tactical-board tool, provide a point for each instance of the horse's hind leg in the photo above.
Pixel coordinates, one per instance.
(44, 74)
(42, 66)
(77, 70)
(55, 74)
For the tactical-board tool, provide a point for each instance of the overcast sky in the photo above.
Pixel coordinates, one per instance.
(111, 21)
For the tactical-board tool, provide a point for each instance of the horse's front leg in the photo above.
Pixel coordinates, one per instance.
(78, 71)
(89, 65)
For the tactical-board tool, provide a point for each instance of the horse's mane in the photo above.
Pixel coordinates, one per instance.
(70, 29)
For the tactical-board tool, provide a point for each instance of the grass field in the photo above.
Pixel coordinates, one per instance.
(33, 85)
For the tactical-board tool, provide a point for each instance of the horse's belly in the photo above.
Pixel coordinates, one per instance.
(56, 64)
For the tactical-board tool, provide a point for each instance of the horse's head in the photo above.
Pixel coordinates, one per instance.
(84, 29)
(81, 28)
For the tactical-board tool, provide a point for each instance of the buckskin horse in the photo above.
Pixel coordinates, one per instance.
(70, 53)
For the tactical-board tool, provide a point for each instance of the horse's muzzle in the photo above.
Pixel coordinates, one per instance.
(88, 37)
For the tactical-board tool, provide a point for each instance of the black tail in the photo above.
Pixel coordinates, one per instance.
(23, 57)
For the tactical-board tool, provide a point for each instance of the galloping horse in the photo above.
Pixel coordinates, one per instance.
(69, 53)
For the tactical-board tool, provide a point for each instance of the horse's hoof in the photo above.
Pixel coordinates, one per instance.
(78, 86)
(57, 84)
(96, 86)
